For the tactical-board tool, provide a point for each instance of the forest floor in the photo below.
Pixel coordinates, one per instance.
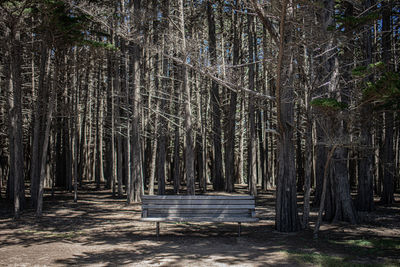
(103, 231)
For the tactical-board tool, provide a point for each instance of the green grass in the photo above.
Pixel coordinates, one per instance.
(314, 258)
(358, 252)
(319, 259)
(381, 243)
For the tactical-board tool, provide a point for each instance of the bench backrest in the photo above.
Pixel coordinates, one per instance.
(204, 206)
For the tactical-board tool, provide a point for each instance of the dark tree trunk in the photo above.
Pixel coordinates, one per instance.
(45, 144)
(82, 141)
(320, 159)
(35, 159)
(343, 204)
(252, 139)
(231, 116)
(365, 192)
(218, 182)
(388, 153)
(137, 172)
(286, 217)
(17, 150)
(108, 125)
(176, 159)
(299, 154)
(161, 157)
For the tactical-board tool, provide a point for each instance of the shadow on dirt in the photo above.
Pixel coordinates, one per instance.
(116, 236)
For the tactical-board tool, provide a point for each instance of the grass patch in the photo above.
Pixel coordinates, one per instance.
(319, 259)
(314, 258)
(381, 243)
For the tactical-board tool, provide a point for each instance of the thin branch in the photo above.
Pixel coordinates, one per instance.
(265, 21)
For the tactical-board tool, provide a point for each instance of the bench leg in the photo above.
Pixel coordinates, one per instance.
(158, 229)
(240, 228)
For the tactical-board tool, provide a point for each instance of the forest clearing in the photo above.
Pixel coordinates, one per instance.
(117, 112)
(102, 231)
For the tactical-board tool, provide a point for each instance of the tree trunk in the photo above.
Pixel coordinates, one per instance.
(137, 172)
(117, 114)
(286, 218)
(299, 154)
(218, 182)
(189, 152)
(162, 142)
(252, 143)
(388, 153)
(324, 188)
(45, 145)
(365, 192)
(109, 124)
(35, 159)
(231, 114)
(17, 163)
(82, 140)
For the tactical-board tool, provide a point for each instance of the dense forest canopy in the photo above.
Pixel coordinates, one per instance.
(140, 95)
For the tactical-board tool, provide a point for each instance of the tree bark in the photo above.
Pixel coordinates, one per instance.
(286, 218)
(231, 113)
(365, 192)
(35, 159)
(45, 145)
(189, 151)
(137, 172)
(218, 182)
(252, 139)
(365, 187)
(388, 153)
(17, 162)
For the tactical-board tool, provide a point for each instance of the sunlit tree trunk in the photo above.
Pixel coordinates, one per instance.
(188, 126)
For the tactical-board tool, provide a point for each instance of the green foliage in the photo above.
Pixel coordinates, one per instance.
(345, 22)
(328, 103)
(363, 71)
(352, 22)
(385, 92)
(97, 44)
(64, 25)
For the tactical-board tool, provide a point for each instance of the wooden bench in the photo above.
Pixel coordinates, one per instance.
(240, 209)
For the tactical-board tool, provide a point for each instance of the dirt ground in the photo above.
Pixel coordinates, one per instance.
(103, 231)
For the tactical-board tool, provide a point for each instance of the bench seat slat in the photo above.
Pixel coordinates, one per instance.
(198, 202)
(200, 211)
(158, 215)
(207, 197)
(200, 219)
(205, 212)
(198, 206)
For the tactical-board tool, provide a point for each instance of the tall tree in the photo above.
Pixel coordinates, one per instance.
(388, 153)
(188, 126)
(252, 143)
(286, 217)
(218, 183)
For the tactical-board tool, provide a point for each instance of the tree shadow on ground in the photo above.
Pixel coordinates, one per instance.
(116, 236)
